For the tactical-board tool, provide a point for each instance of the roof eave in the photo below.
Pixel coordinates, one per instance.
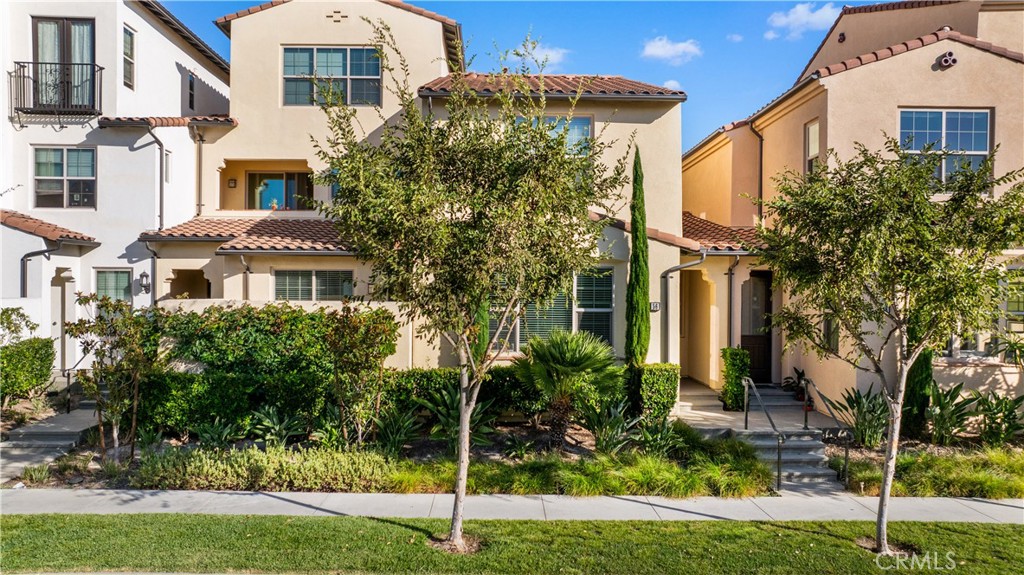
(187, 34)
(257, 252)
(619, 97)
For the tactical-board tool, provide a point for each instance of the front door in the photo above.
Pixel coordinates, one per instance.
(755, 332)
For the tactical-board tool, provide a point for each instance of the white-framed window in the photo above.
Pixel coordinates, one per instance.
(312, 285)
(114, 283)
(812, 145)
(967, 133)
(65, 177)
(353, 73)
(167, 166)
(191, 91)
(128, 57)
(591, 310)
(830, 333)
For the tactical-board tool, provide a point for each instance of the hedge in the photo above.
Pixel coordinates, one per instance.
(737, 366)
(25, 368)
(659, 389)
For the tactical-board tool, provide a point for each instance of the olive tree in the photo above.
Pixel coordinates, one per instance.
(485, 204)
(898, 258)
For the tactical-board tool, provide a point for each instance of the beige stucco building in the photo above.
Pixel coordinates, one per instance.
(251, 239)
(950, 72)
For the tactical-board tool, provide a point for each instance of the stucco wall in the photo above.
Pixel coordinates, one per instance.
(707, 178)
(1002, 25)
(872, 31)
(783, 132)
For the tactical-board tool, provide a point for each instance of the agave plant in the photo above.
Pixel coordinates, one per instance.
(395, 429)
(444, 406)
(867, 414)
(275, 428)
(217, 434)
(948, 412)
(563, 366)
(612, 430)
(1000, 416)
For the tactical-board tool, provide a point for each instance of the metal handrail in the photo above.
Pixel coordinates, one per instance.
(748, 384)
(848, 433)
(67, 380)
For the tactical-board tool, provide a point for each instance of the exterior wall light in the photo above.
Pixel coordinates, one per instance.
(232, 183)
(144, 282)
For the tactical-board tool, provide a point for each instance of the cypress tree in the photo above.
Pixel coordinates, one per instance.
(638, 298)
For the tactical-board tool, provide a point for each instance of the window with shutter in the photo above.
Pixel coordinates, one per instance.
(293, 285)
(594, 303)
(333, 285)
(541, 321)
(115, 284)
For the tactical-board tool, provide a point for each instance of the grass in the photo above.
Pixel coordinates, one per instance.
(206, 543)
(992, 473)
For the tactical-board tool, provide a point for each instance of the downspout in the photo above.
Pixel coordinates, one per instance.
(160, 177)
(30, 255)
(152, 272)
(731, 273)
(197, 136)
(665, 301)
(245, 278)
(760, 170)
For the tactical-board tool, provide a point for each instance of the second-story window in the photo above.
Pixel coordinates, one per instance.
(965, 133)
(128, 57)
(352, 74)
(63, 72)
(191, 91)
(65, 177)
(812, 146)
(278, 191)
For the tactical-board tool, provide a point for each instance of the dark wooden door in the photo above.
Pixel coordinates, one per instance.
(755, 335)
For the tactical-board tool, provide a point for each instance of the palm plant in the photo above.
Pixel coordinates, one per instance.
(563, 366)
(948, 412)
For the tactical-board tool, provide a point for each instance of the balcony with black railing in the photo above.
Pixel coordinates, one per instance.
(57, 88)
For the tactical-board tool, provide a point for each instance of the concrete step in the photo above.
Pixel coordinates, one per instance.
(63, 429)
(39, 444)
(751, 436)
(807, 473)
(820, 488)
(794, 458)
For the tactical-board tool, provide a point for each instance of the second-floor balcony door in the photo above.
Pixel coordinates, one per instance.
(64, 58)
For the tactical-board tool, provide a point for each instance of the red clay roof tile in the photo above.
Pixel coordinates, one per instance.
(263, 234)
(42, 229)
(165, 121)
(716, 237)
(568, 85)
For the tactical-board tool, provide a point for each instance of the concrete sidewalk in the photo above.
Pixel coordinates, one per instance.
(538, 507)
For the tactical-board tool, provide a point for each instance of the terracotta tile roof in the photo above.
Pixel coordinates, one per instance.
(653, 234)
(166, 121)
(895, 6)
(42, 229)
(914, 44)
(190, 37)
(452, 29)
(716, 237)
(265, 234)
(615, 87)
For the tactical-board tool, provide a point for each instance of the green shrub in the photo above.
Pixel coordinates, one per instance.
(217, 434)
(986, 473)
(659, 389)
(181, 402)
(948, 412)
(403, 389)
(508, 395)
(611, 427)
(867, 414)
(25, 368)
(36, 474)
(271, 470)
(915, 402)
(737, 367)
(273, 427)
(444, 408)
(396, 429)
(1000, 417)
(659, 438)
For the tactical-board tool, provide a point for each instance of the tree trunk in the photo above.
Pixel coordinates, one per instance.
(135, 417)
(892, 446)
(466, 405)
(561, 410)
(115, 433)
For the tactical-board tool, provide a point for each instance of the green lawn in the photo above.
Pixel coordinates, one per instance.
(206, 543)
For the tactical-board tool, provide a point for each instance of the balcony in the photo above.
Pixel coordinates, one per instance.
(57, 89)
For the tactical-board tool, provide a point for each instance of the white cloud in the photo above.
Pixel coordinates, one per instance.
(672, 85)
(552, 54)
(675, 53)
(801, 18)
(734, 38)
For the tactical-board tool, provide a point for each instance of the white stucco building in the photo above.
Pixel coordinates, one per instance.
(101, 97)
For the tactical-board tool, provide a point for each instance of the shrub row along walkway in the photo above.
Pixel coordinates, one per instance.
(540, 507)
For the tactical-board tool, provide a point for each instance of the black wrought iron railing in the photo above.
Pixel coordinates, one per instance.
(57, 88)
(748, 386)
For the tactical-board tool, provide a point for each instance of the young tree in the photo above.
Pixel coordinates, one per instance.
(638, 290)
(125, 346)
(879, 241)
(489, 203)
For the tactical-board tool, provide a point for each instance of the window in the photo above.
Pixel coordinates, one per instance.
(966, 132)
(278, 191)
(592, 312)
(128, 53)
(65, 177)
(830, 333)
(302, 285)
(352, 74)
(191, 91)
(115, 284)
(167, 167)
(812, 146)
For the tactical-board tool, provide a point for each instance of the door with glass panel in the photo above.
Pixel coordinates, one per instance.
(755, 329)
(64, 57)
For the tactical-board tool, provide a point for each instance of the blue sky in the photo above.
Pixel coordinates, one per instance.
(730, 57)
